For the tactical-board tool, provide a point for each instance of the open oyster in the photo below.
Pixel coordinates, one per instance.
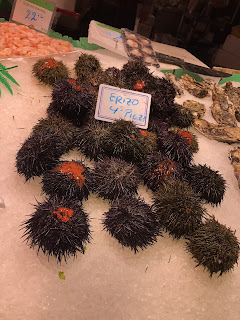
(222, 111)
(234, 156)
(197, 89)
(218, 132)
(198, 109)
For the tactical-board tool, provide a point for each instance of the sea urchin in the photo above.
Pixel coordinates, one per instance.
(58, 227)
(69, 179)
(132, 222)
(179, 209)
(214, 246)
(115, 178)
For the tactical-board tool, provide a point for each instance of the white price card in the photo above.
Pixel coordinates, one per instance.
(37, 14)
(115, 103)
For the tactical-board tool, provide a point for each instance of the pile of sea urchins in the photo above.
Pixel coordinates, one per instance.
(125, 156)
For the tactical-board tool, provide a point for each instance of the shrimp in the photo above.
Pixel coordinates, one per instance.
(21, 40)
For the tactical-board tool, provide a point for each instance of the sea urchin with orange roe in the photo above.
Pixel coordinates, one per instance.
(176, 148)
(59, 227)
(69, 179)
(49, 70)
(191, 138)
(157, 169)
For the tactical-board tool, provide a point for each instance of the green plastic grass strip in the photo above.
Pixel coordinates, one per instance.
(7, 75)
(43, 4)
(180, 72)
(234, 78)
(167, 71)
(82, 43)
(108, 27)
(6, 84)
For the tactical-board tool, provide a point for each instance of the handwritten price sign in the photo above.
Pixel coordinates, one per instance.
(115, 103)
(37, 14)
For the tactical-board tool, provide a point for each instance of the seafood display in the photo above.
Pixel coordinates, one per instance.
(175, 82)
(218, 132)
(196, 88)
(20, 40)
(222, 111)
(234, 156)
(198, 109)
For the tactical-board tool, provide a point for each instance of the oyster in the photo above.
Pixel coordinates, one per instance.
(232, 93)
(197, 89)
(215, 131)
(234, 156)
(175, 82)
(198, 109)
(234, 96)
(222, 111)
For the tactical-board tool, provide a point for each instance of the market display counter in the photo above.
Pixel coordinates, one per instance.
(107, 282)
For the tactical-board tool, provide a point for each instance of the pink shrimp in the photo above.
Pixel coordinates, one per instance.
(21, 40)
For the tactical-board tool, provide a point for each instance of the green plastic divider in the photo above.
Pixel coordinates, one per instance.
(108, 27)
(234, 78)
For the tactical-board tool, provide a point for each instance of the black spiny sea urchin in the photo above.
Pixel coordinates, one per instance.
(181, 117)
(176, 148)
(132, 222)
(40, 152)
(73, 100)
(91, 139)
(59, 125)
(115, 178)
(179, 209)
(208, 183)
(190, 137)
(125, 141)
(134, 71)
(59, 227)
(69, 179)
(214, 246)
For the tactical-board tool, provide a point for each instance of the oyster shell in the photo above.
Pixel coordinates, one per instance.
(175, 82)
(198, 109)
(197, 89)
(222, 111)
(234, 156)
(215, 131)
(233, 95)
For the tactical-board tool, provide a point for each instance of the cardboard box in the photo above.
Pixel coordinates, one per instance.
(232, 44)
(224, 58)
